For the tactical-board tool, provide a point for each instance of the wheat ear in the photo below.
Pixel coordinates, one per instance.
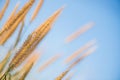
(8, 25)
(27, 47)
(14, 23)
(6, 35)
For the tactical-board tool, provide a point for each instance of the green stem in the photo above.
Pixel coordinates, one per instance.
(5, 74)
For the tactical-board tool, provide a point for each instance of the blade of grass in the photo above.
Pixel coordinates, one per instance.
(19, 34)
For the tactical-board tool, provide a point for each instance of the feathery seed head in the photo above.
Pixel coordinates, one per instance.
(8, 25)
(33, 40)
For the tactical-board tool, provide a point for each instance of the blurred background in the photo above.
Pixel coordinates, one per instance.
(103, 64)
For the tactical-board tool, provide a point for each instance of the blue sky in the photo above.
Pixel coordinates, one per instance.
(103, 64)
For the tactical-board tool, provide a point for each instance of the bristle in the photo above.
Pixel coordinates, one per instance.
(4, 9)
(36, 10)
(13, 12)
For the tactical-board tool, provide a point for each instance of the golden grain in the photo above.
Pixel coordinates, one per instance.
(8, 25)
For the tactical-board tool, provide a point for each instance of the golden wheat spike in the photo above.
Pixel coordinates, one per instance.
(17, 19)
(32, 41)
(4, 9)
(6, 35)
(43, 29)
(8, 25)
(34, 44)
(36, 10)
(79, 32)
(88, 52)
(50, 20)
(61, 76)
(10, 17)
(49, 61)
(79, 51)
